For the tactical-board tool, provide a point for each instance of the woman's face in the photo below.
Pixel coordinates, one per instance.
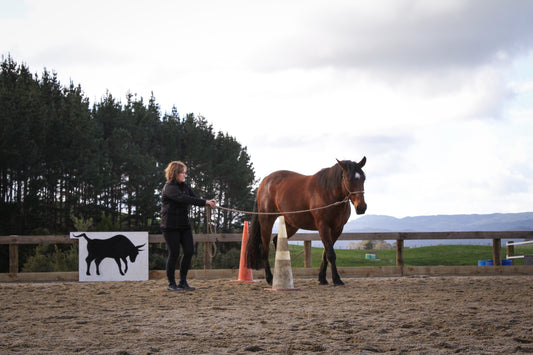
(182, 176)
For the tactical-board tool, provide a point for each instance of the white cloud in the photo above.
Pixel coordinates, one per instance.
(407, 36)
(432, 93)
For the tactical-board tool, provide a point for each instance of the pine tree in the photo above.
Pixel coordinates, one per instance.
(59, 158)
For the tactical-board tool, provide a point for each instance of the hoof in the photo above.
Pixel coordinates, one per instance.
(339, 283)
(323, 282)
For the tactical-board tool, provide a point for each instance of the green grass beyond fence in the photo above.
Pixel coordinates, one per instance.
(423, 256)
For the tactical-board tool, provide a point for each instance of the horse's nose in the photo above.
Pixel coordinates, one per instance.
(361, 208)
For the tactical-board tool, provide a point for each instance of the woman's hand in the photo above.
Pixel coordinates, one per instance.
(211, 203)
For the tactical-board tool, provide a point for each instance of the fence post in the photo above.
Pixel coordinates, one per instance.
(208, 256)
(399, 252)
(497, 251)
(308, 259)
(208, 265)
(13, 258)
(510, 248)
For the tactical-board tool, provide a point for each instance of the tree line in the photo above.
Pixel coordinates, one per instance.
(64, 161)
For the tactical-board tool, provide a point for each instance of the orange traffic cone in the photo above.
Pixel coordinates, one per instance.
(283, 280)
(245, 274)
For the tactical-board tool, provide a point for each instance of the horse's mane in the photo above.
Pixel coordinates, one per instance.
(330, 178)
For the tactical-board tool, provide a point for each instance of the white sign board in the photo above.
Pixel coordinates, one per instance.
(112, 256)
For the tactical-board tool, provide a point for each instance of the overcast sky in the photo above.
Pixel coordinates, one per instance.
(438, 95)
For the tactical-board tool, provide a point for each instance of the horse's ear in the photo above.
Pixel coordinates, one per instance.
(362, 162)
(341, 164)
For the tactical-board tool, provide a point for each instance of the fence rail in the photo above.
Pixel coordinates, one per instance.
(14, 240)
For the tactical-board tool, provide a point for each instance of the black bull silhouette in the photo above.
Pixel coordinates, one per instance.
(118, 247)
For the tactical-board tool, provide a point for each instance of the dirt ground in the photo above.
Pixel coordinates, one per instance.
(432, 315)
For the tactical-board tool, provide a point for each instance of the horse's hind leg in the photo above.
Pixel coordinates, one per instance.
(268, 273)
(290, 232)
(323, 267)
(266, 222)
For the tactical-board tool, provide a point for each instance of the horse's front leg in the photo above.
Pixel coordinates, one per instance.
(328, 239)
(332, 257)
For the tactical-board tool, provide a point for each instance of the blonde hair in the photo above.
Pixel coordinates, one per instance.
(173, 169)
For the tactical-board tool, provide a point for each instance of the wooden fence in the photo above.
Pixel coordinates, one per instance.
(496, 236)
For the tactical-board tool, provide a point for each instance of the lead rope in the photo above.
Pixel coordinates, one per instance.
(211, 229)
(346, 199)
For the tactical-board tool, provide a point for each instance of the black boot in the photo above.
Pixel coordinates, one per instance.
(185, 286)
(173, 287)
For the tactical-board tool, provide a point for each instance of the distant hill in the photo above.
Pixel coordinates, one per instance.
(443, 223)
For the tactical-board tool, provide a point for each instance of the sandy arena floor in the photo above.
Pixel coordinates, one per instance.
(431, 315)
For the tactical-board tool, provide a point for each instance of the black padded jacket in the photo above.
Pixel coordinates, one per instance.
(175, 201)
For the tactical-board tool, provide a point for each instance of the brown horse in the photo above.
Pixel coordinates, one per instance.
(317, 202)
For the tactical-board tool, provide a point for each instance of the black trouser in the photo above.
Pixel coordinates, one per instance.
(173, 238)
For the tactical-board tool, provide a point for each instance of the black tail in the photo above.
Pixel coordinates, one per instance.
(82, 235)
(254, 248)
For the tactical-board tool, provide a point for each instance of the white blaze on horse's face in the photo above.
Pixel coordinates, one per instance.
(357, 175)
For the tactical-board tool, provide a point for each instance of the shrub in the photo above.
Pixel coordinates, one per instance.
(158, 256)
(228, 260)
(50, 258)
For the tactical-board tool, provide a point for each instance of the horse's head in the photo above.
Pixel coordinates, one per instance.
(353, 181)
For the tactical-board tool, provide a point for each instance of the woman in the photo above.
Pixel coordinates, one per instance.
(176, 198)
